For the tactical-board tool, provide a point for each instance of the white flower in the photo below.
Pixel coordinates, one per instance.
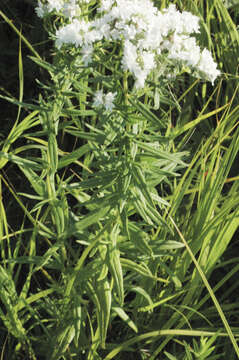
(41, 10)
(91, 36)
(71, 9)
(98, 98)
(50, 6)
(72, 33)
(183, 48)
(138, 62)
(178, 22)
(103, 27)
(207, 66)
(153, 35)
(129, 59)
(55, 5)
(140, 76)
(87, 51)
(190, 23)
(109, 99)
(105, 100)
(105, 5)
(148, 60)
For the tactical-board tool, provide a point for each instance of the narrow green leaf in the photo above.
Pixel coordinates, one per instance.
(36, 182)
(20, 161)
(33, 298)
(23, 104)
(9, 298)
(140, 269)
(158, 153)
(53, 152)
(92, 218)
(62, 341)
(139, 238)
(104, 296)
(122, 314)
(160, 302)
(193, 123)
(144, 110)
(113, 257)
(73, 156)
(44, 64)
(139, 290)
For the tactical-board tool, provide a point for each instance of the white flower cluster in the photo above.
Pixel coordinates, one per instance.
(146, 34)
(69, 8)
(104, 100)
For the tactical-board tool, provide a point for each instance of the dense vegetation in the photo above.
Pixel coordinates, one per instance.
(117, 244)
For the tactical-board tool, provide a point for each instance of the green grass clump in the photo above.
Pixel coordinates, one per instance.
(118, 233)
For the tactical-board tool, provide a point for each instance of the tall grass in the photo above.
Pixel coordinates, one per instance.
(122, 248)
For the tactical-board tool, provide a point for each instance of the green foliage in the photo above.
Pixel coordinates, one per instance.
(201, 350)
(121, 220)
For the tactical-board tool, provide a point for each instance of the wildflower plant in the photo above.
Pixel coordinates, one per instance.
(110, 57)
(101, 202)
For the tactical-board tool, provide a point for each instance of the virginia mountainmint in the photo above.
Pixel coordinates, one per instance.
(145, 34)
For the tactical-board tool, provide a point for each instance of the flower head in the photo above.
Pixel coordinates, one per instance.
(207, 66)
(109, 101)
(98, 98)
(104, 100)
(41, 10)
(71, 9)
(146, 36)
